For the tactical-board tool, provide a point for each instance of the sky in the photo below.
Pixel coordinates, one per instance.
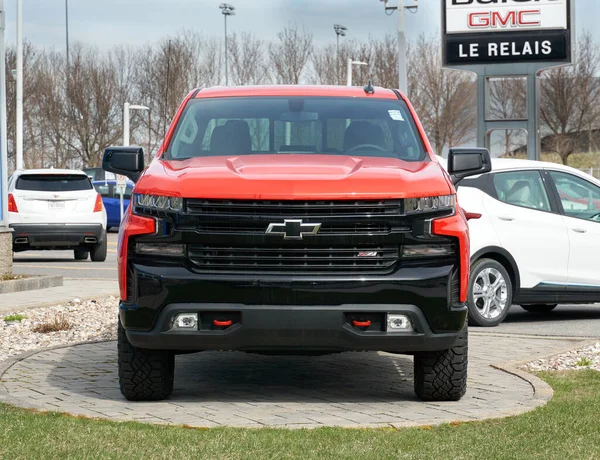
(105, 23)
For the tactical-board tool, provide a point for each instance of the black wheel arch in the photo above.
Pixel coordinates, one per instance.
(502, 256)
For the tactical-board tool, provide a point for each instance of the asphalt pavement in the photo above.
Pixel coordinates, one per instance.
(564, 321)
(63, 263)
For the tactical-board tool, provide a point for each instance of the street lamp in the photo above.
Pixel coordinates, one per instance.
(339, 30)
(402, 74)
(350, 64)
(4, 235)
(121, 181)
(19, 121)
(227, 10)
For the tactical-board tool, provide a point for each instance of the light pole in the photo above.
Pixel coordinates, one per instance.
(67, 31)
(6, 259)
(227, 10)
(339, 30)
(402, 74)
(121, 183)
(19, 121)
(350, 64)
(3, 143)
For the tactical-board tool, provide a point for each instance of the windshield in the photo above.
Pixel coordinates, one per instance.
(312, 125)
(53, 182)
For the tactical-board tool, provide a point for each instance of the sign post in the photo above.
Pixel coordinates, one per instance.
(3, 133)
(5, 232)
(507, 38)
(121, 184)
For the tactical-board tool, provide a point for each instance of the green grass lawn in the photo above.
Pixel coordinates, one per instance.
(568, 427)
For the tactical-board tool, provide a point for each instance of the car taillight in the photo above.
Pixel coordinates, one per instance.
(98, 205)
(12, 204)
(130, 226)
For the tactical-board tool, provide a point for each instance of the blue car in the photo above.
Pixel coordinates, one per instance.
(108, 190)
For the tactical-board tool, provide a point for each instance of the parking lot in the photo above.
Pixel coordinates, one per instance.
(64, 264)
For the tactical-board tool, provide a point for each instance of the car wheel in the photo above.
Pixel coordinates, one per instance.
(99, 251)
(81, 254)
(442, 375)
(490, 293)
(538, 308)
(144, 375)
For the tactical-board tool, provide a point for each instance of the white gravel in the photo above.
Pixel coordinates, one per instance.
(584, 358)
(90, 320)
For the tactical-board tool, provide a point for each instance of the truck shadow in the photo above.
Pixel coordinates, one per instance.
(235, 377)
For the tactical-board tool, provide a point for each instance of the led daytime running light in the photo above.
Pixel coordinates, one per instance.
(163, 203)
(429, 204)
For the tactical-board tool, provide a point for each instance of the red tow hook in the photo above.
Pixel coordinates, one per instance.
(361, 323)
(472, 215)
(218, 323)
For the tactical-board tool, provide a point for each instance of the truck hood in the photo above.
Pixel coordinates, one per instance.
(293, 176)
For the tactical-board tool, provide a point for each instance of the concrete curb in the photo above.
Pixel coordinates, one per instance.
(542, 392)
(53, 303)
(30, 284)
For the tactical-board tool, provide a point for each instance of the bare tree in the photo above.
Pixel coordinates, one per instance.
(444, 99)
(508, 101)
(326, 63)
(51, 80)
(247, 57)
(290, 54)
(95, 99)
(166, 73)
(325, 66)
(385, 61)
(570, 99)
(31, 133)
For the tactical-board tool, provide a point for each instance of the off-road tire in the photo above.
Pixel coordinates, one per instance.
(442, 375)
(98, 252)
(144, 375)
(81, 254)
(538, 308)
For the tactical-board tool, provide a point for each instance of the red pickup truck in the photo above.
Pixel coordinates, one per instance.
(294, 220)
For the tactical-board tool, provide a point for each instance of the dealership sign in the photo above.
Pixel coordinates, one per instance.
(506, 31)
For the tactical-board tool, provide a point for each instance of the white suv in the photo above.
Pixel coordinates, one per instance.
(51, 209)
(535, 238)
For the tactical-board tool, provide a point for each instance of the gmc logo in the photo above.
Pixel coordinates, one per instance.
(496, 19)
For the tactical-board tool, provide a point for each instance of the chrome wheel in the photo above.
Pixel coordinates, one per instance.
(490, 293)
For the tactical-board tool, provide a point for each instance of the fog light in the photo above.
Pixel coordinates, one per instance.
(186, 321)
(160, 249)
(399, 323)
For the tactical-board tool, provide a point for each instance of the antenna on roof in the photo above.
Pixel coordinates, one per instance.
(369, 88)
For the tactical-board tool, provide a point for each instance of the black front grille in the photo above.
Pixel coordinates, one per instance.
(327, 228)
(293, 208)
(297, 258)
(354, 237)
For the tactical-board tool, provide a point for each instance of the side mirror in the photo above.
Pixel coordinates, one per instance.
(126, 161)
(467, 162)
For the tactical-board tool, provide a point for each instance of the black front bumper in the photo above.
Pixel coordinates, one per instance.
(49, 236)
(292, 329)
(292, 313)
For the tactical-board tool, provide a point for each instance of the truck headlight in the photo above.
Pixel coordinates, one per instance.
(159, 202)
(430, 204)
